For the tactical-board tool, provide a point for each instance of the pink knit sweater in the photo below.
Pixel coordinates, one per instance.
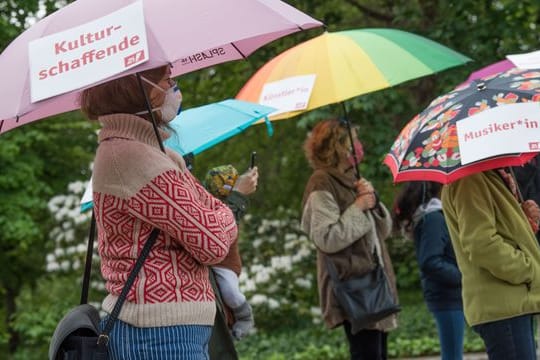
(136, 188)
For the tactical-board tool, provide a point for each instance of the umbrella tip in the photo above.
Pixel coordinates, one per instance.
(481, 86)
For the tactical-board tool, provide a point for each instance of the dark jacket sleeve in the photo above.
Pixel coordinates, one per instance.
(238, 203)
(432, 239)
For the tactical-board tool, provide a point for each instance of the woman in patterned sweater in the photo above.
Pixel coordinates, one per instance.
(170, 309)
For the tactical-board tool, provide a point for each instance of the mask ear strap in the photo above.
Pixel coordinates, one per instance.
(152, 84)
(146, 111)
(157, 87)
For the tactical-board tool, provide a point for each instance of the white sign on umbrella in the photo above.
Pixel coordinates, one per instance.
(504, 129)
(290, 94)
(84, 54)
(529, 60)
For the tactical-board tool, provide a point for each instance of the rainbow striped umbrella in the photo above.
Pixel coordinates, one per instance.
(351, 63)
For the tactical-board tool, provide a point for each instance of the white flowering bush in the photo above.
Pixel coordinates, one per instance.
(70, 238)
(279, 275)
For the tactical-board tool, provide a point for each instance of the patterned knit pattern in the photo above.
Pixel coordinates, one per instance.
(173, 287)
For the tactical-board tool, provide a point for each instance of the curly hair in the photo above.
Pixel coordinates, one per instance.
(122, 95)
(411, 196)
(327, 144)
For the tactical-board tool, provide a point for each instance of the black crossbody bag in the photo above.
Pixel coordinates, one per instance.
(77, 335)
(365, 298)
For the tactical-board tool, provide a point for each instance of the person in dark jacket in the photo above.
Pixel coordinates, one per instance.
(418, 211)
(528, 181)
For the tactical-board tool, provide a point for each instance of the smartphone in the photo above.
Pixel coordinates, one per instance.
(252, 159)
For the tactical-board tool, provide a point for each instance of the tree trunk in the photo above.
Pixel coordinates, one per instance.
(11, 308)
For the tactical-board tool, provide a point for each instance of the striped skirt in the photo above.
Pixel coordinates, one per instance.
(188, 342)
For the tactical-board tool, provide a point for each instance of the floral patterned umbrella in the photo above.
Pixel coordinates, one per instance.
(485, 124)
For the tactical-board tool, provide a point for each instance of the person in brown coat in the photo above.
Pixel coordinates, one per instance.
(347, 223)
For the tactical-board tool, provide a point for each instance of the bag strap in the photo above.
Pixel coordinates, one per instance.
(332, 271)
(331, 267)
(103, 338)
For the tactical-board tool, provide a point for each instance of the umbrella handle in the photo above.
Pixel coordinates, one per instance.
(356, 169)
(349, 130)
(269, 127)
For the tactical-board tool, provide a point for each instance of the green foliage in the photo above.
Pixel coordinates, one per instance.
(34, 163)
(302, 343)
(36, 321)
(403, 257)
(37, 161)
(415, 336)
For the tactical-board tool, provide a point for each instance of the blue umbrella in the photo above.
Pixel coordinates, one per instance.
(200, 128)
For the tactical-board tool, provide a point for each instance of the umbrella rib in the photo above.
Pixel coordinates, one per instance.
(237, 49)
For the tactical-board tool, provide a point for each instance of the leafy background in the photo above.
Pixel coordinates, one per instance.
(44, 167)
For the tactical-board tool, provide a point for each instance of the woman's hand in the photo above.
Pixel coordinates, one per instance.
(247, 182)
(366, 198)
(363, 186)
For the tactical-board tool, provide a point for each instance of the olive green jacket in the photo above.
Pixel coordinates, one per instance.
(496, 250)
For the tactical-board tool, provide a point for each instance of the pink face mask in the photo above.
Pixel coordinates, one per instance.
(359, 151)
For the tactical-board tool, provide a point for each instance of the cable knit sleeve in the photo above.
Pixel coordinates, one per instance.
(172, 202)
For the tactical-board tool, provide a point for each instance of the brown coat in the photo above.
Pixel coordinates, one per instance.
(347, 235)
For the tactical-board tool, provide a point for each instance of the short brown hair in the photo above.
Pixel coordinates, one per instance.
(327, 143)
(122, 95)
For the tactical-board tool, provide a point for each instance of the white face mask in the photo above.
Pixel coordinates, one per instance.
(172, 104)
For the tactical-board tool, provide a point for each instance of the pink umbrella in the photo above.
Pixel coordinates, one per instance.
(492, 69)
(189, 35)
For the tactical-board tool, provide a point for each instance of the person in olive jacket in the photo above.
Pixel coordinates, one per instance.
(343, 218)
(418, 213)
(499, 259)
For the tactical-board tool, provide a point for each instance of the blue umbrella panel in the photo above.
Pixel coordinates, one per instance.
(201, 128)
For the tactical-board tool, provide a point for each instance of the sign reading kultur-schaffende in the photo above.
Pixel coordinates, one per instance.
(85, 54)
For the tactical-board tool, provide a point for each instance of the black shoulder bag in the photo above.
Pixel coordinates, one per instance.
(77, 335)
(365, 298)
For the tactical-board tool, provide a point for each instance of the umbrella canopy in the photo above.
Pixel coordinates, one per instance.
(202, 127)
(189, 35)
(530, 60)
(351, 63)
(476, 127)
(490, 70)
